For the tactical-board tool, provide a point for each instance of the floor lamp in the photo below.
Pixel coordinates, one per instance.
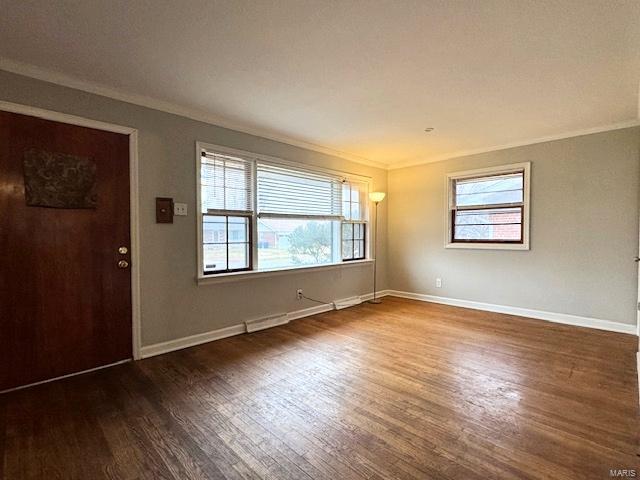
(375, 197)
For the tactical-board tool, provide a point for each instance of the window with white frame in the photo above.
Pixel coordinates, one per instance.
(489, 208)
(226, 193)
(354, 225)
(299, 214)
(259, 215)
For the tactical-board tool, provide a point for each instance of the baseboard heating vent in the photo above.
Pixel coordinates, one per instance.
(266, 322)
(347, 302)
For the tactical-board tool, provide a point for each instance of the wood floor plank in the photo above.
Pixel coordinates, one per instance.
(377, 413)
(403, 389)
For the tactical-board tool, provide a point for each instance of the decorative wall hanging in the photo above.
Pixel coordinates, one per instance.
(58, 180)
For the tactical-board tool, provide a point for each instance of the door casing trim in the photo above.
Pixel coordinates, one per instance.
(133, 194)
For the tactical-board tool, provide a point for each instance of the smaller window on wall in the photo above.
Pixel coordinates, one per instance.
(354, 224)
(489, 208)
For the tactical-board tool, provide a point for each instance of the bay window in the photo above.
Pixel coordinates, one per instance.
(262, 214)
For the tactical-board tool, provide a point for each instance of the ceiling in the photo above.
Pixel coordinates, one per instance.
(364, 78)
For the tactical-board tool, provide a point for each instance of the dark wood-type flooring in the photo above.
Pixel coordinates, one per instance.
(398, 390)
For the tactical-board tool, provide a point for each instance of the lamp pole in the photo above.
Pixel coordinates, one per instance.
(375, 197)
(375, 256)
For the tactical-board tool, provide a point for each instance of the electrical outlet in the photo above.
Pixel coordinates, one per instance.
(180, 209)
(299, 294)
(438, 283)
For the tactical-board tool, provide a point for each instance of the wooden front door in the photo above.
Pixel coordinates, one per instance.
(65, 302)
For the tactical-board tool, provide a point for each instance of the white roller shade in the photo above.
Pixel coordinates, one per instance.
(226, 183)
(289, 192)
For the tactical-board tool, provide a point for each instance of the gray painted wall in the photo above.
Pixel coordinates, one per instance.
(584, 225)
(584, 230)
(173, 305)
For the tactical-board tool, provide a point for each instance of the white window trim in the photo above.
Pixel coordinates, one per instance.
(203, 279)
(502, 169)
(251, 274)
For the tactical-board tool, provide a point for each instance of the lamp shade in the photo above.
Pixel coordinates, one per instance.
(376, 196)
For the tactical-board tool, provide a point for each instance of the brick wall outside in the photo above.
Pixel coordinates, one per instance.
(506, 232)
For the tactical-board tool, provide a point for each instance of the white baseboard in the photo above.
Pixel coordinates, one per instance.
(193, 340)
(185, 342)
(307, 312)
(347, 302)
(563, 318)
(266, 322)
(379, 294)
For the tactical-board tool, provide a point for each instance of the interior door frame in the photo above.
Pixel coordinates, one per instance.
(133, 194)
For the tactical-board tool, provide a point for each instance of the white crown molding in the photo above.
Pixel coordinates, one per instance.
(549, 138)
(65, 80)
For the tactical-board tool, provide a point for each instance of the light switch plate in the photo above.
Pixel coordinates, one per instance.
(180, 209)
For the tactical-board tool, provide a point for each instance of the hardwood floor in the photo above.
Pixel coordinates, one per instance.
(398, 390)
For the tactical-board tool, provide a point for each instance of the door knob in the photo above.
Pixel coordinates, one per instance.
(637, 259)
(123, 250)
(123, 264)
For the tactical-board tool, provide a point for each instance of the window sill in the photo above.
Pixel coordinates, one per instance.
(236, 276)
(488, 246)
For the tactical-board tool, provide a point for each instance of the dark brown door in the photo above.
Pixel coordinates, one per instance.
(65, 303)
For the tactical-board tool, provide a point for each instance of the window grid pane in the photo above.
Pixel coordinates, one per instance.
(347, 231)
(347, 249)
(492, 190)
(353, 194)
(226, 243)
(488, 209)
(215, 257)
(292, 242)
(488, 225)
(353, 241)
